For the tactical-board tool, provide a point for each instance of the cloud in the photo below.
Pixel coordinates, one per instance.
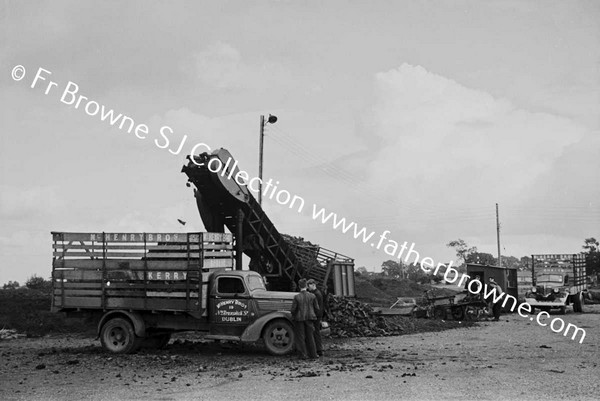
(443, 142)
(221, 66)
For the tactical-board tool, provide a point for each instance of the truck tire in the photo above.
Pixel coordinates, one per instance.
(440, 313)
(117, 336)
(470, 312)
(279, 337)
(458, 313)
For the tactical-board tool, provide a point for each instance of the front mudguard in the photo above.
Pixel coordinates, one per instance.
(254, 331)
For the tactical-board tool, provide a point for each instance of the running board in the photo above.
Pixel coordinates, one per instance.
(222, 337)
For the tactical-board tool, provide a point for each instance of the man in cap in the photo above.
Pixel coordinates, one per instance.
(304, 307)
(497, 307)
(312, 287)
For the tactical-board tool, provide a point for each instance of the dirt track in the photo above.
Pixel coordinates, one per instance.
(510, 359)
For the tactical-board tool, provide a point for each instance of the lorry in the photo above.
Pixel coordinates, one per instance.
(559, 280)
(139, 288)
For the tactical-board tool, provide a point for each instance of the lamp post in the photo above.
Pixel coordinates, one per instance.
(271, 120)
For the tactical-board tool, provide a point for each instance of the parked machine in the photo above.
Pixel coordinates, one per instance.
(142, 287)
(559, 280)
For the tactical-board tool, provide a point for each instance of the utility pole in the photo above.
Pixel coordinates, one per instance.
(271, 120)
(498, 236)
(260, 158)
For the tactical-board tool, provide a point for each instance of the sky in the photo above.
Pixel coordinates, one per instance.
(412, 117)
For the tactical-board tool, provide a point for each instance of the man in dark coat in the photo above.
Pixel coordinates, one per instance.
(304, 308)
(496, 306)
(312, 288)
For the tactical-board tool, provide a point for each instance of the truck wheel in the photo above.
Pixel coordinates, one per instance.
(563, 310)
(440, 313)
(117, 336)
(470, 312)
(457, 313)
(279, 337)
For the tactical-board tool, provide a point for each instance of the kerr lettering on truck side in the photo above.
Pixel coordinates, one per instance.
(182, 275)
(142, 287)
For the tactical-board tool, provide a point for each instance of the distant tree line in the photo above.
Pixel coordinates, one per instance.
(469, 254)
(33, 283)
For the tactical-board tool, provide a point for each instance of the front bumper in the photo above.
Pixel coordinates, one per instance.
(542, 304)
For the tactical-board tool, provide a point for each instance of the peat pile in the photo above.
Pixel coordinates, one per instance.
(352, 318)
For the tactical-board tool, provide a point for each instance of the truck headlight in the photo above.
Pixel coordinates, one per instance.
(555, 290)
(533, 289)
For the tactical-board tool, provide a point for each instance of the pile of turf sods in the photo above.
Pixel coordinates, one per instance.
(351, 318)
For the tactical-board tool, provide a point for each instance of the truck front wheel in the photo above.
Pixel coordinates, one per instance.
(279, 337)
(117, 336)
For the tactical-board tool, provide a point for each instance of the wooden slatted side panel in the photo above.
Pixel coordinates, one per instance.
(143, 246)
(144, 271)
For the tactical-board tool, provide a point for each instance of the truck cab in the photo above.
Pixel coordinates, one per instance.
(241, 309)
(559, 280)
(551, 291)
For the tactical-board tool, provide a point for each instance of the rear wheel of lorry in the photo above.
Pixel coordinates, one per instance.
(562, 310)
(118, 336)
(279, 337)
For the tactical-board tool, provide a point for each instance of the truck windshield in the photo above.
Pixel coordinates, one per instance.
(255, 283)
(550, 278)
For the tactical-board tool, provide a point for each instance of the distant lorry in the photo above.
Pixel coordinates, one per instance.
(559, 280)
(142, 287)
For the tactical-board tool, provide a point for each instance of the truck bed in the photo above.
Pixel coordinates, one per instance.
(141, 271)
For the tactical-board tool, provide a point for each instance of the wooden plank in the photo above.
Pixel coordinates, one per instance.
(79, 293)
(217, 246)
(152, 303)
(140, 237)
(156, 304)
(127, 237)
(173, 294)
(217, 237)
(99, 254)
(123, 293)
(68, 285)
(81, 302)
(77, 275)
(135, 285)
(215, 263)
(112, 264)
(97, 246)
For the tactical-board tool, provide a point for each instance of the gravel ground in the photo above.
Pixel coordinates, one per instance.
(511, 359)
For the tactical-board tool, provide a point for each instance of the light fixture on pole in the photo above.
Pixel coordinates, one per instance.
(271, 120)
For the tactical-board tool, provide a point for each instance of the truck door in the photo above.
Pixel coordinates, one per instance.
(229, 306)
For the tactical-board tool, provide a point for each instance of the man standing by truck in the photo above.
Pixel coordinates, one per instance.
(304, 308)
(312, 287)
(495, 298)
